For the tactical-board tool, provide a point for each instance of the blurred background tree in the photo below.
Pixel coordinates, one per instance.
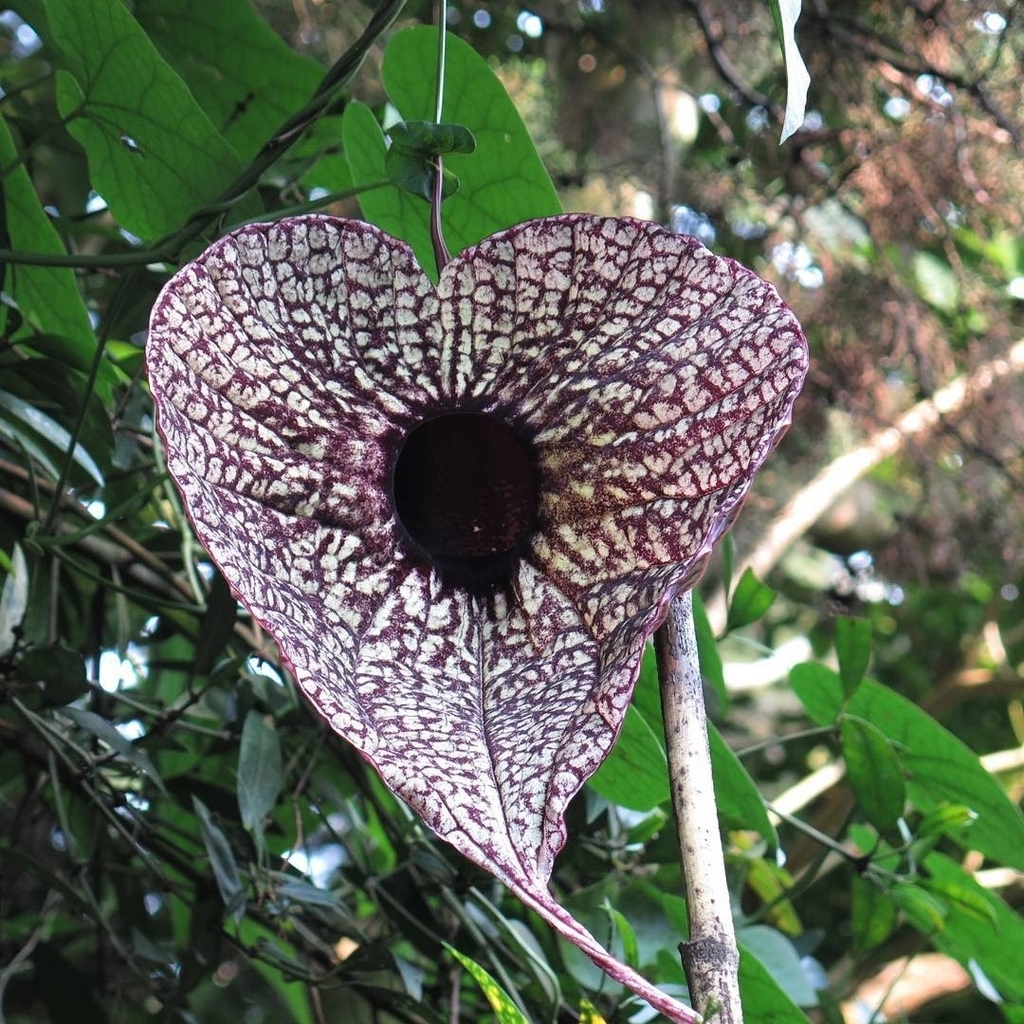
(891, 222)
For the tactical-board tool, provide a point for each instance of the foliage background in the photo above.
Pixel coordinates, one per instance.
(181, 839)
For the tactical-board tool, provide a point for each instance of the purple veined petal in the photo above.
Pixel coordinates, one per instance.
(645, 380)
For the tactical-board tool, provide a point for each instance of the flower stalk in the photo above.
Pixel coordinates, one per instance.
(710, 955)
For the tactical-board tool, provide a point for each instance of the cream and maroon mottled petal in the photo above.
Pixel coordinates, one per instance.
(650, 379)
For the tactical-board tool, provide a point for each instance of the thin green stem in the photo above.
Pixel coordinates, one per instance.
(441, 254)
(778, 741)
(442, 57)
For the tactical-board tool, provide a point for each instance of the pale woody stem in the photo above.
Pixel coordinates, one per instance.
(710, 956)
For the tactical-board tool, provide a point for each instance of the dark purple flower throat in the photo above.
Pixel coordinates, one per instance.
(465, 491)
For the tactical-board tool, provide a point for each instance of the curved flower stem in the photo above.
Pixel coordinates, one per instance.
(710, 956)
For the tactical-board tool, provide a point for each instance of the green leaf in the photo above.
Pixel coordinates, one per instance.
(415, 146)
(13, 600)
(222, 862)
(505, 1010)
(416, 174)
(217, 626)
(428, 138)
(48, 297)
(740, 803)
(750, 601)
(947, 820)
(259, 770)
(61, 672)
(764, 999)
(707, 651)
(853, 649)
(153, 153)
(936, 282)
(786, 13)
(874, 771)
(588, 1015)
(774, 951)
(120, 745)
(627, 935)
(50, 431)
(246, 78)
(635, 774)
(502, 183)
(873, 914)
(284, 959)
(940, 769)
(927, 913)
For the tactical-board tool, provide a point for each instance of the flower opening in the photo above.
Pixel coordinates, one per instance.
(465, 493)
(577, 409)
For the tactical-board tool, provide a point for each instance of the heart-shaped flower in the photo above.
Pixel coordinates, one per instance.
(463, 509)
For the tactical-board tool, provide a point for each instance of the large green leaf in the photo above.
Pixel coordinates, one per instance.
(740, 803)
(635, 774)
(874, 770)
(941, 770)
(154, 154)
(979, 929)
(48, 297)
(763, 998)
(503, 181)
(240, 71)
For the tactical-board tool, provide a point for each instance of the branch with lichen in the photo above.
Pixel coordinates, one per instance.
(710, 955)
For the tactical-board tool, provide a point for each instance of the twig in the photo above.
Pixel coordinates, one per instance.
(710, 956)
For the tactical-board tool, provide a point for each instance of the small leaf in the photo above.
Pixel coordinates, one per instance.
(505, 1010)
(428, 138)
(873, 914)
(588, 1015)
(13, 600)
(707, 650)
(750, 601)
(222, 862)
(259, 770)
(936, 281)
(416, 174)
(786, 13)
(50, 431)
(874, 771)
(926, 912)
(217, 626)
(959, 894)
(943, 821)
(108, 734)
(853, 649)
(630, 951)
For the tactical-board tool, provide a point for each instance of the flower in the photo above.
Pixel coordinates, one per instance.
(462, 510)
